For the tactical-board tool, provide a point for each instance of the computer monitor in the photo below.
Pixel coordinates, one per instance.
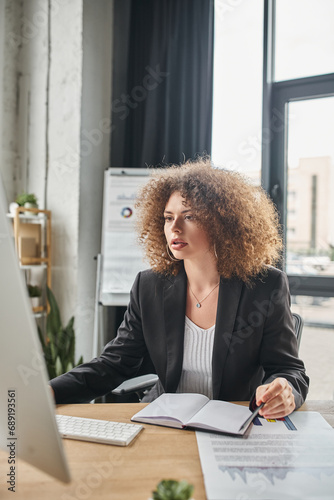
(28, 428)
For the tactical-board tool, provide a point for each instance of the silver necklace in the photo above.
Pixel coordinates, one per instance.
(199, 302)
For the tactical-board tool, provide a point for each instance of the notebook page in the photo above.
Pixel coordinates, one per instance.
(220, 415)
(180, 407)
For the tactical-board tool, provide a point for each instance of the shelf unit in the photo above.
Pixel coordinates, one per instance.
(37, 222)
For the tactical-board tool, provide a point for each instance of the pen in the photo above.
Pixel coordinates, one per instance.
(252, 416)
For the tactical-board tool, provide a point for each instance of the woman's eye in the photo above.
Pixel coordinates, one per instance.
(167, 218)
(189, 217)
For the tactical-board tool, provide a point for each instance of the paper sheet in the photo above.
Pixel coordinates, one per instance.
(122, 256)
(277, 460)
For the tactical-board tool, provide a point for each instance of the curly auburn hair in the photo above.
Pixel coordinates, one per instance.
(240, 220)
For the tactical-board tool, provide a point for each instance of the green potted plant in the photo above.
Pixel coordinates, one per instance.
(27, 200)
(24, 198)
(169, 489)
(35, 292)
(59, 345)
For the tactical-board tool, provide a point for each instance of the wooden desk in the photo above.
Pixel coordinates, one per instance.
(117, 473)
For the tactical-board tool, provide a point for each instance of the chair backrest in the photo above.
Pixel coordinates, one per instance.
(299, 323)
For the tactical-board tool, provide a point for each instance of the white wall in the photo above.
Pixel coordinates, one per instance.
(11, 13)
(32, 79)
(65, 93)
(95, 153)
(54, 96)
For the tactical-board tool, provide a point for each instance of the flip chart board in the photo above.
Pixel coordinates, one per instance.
(122, 257)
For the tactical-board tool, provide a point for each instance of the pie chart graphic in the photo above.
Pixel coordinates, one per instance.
(126, 212)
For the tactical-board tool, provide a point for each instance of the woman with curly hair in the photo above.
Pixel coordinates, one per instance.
(212, 314)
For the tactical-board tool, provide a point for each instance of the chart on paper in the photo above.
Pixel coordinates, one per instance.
(295, 454)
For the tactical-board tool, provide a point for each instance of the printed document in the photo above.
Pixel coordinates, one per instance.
(286, 459)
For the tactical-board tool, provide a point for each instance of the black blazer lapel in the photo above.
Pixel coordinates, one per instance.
(228, 301)
(175, 294)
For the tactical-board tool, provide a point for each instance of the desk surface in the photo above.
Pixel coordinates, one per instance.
(117, 473)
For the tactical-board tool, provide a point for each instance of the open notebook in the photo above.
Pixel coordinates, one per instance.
(196, 411)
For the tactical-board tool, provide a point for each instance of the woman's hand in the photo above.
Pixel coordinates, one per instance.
(278, 398)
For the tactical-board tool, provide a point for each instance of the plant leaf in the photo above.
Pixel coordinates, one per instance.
(58, 367)
(70, 339)
(59, 347)
(41, 338)
(80, 361)
(169, 489)
(69, 366)
(61, 340)
(53, 322)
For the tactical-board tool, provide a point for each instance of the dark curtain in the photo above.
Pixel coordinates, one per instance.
(162, 81)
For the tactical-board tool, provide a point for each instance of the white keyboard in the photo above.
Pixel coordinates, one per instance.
(98, 431)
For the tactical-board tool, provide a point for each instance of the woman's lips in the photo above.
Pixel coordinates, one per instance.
(178, 244)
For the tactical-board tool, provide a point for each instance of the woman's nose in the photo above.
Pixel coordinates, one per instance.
(176, 226)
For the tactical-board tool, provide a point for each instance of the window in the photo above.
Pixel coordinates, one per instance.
(298, 164)
(237, 96)
(310, 178)
(304, 38)
(317, 345)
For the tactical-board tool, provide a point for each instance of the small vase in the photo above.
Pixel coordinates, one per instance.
(34, 301)
(30, 205)
(12, 208)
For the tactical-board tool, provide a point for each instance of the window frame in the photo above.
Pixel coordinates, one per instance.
(276, 96)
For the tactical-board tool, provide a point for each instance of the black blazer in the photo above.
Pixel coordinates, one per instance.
(254, 340)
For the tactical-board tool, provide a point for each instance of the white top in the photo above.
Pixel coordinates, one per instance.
(197, 359)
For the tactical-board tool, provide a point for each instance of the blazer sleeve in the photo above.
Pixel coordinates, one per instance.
(120, 360)
(279, 351)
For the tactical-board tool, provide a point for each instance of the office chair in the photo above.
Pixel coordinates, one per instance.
(298, 323)
(141, 385)
(138, 385)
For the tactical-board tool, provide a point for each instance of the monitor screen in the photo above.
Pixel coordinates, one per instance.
(28, 428)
